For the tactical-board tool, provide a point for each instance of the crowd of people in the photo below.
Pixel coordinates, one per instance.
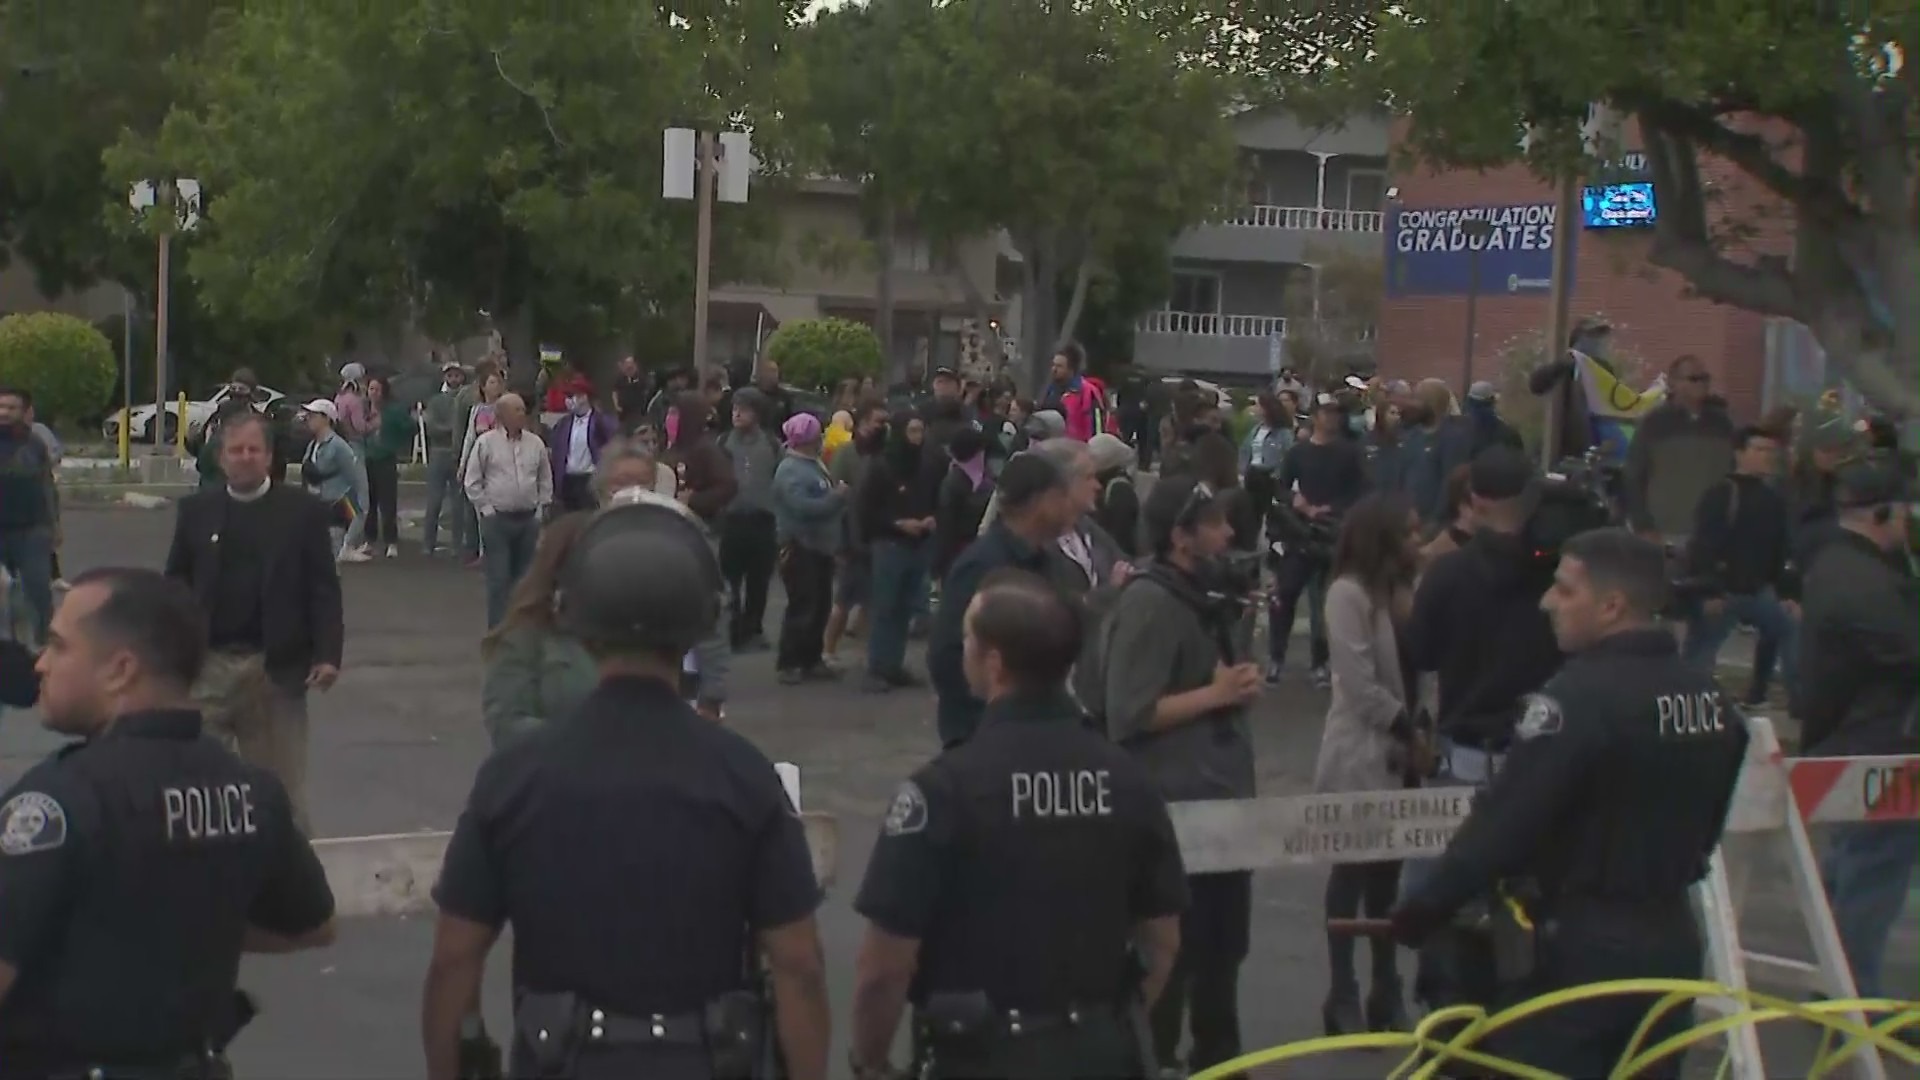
(1051, 579)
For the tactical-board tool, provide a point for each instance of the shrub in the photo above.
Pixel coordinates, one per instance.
(64, 362)
(815, 354)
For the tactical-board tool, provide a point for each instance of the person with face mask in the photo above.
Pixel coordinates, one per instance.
(575, 444)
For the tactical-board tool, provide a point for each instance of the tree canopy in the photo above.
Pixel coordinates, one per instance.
(1074, 126)
(1816, 105)
(436, 161)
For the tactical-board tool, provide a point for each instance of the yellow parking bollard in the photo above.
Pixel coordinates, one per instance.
(180, 428)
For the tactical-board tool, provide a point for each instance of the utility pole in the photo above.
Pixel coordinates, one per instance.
(179, 204)
(160, 304)
(1560, 303)
(704, 169)
(707, 168)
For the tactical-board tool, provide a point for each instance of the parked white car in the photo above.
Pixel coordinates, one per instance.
(198, 413)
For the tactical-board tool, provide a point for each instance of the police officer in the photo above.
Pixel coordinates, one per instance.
(644, 855)
(1606, 811)
(137, 864)
(1013, 873)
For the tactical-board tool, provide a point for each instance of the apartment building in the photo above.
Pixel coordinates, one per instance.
(828, 267)
(1309, 191)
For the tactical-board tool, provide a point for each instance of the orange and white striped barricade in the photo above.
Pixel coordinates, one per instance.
(1378, 826)
(1778, 798)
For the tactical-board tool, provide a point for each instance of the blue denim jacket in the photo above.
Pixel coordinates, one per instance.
(807, 508)
(334, 472)
(1269, 444)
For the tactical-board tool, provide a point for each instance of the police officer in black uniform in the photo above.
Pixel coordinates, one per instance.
(644, 855)
(138, 863)
(1013, 873)
(1606, 811)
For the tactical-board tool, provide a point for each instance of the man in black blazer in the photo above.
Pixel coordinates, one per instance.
(259, 557)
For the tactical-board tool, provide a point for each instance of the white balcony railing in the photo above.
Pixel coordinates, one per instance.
(1306, 218)
(1208, 325)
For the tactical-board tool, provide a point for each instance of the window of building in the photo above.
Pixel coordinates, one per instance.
(912, 253)
(1366, 189)
(1196, 292)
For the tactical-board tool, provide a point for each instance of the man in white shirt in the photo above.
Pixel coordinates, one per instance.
(510, 482)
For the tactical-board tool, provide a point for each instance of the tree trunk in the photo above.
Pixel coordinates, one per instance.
(883, 293)
(982, 313)
(1038, 324)
(1070, 321)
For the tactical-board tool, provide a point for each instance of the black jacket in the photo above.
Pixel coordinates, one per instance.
(301, 618)
(1859, 649)
(1477, 623)
(1742, 540)
(896, 488)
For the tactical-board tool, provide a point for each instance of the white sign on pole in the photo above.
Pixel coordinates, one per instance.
(141, 195)
(677, 164)
(187, 203)
(736, 165)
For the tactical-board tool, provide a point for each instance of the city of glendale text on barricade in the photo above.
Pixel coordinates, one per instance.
(1394, 825)
(1514, 228)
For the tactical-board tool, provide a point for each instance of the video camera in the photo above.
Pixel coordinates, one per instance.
(1292, 530)
(1568, 502)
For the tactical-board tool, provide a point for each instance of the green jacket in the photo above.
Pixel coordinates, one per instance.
(533, 675)
(445, 421)
(394, 439)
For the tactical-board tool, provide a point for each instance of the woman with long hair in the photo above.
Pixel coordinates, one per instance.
(534, 672)
(1261, 454)
(392, 435)
(1370, 742)
(896, 512)
(480, 421)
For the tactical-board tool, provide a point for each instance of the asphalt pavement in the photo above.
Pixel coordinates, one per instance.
(397, 741)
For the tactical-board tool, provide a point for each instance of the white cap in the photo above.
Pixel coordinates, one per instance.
(323, 407)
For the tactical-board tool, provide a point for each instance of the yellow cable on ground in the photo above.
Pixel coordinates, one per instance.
(1429, 1050)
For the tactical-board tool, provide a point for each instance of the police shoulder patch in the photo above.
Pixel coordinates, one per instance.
(1542, 717)
(30, 822)
(908, 813)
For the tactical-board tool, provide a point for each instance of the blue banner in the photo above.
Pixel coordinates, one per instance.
(1431, 252)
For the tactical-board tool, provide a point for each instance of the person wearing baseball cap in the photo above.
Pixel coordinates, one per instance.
(1859, 650)
(445, 427)
(333, 471)
(809, 514)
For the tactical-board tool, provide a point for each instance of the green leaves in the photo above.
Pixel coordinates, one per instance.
(464, 156)
(69, 365)
(818, 353)
(1074, 126)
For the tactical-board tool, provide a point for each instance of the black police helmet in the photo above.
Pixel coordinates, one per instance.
(641, 576)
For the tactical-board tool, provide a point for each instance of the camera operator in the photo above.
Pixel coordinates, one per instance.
(1477, 624)
(1174, 690)
(1325, 473)
(1615, 797)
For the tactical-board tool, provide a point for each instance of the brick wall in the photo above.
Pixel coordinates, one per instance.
(1424, 336)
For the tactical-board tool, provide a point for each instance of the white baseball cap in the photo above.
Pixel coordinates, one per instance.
(323, 407)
